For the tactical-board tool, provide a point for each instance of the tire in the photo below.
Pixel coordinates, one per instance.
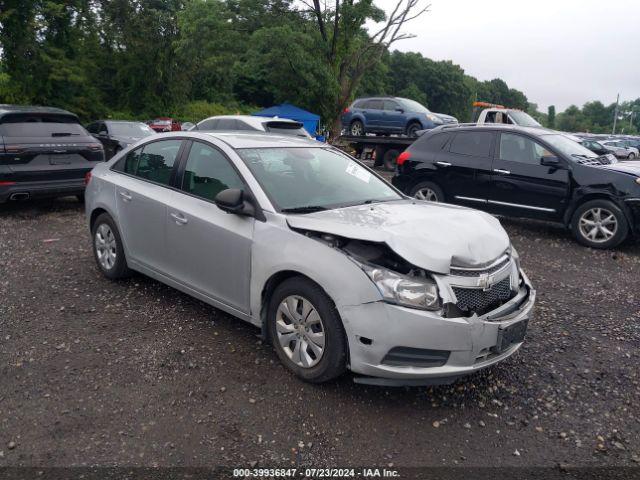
(389, 159)
(586, 217)
(356, 129)
(413, 128)
(436, 194)
(319, 368)
(631, 156)
(116, 268)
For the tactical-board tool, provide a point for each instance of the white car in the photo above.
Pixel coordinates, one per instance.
(281, 126)
(620, 150)
(338, 268)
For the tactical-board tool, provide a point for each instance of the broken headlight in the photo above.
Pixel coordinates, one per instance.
(413, 291)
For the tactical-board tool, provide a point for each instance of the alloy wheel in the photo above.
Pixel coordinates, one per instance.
(300, 331)
(356, 129)
(105, 242)
(598, 225)
(426, 194)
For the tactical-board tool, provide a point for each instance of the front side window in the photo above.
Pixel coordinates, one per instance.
(152, 162)
(314, 177)
(516, 148)
(375, 104)
(472, 143)
(390, 105)
(208, 172)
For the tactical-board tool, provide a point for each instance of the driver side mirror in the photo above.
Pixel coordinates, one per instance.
(232, 200)
(550, 161)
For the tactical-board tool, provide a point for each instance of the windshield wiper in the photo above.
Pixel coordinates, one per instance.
(305, 209)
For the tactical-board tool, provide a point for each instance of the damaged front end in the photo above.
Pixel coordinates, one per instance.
(464, 292)
(432, 327)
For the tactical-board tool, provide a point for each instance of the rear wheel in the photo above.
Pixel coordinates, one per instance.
(428, 191)
(107, 248)
(356, 129)
(306, 330)
(599, 224)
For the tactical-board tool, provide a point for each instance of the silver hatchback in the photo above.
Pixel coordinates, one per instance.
(339, 269)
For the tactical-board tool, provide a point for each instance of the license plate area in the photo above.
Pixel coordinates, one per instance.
(507, 336)
(60, 159)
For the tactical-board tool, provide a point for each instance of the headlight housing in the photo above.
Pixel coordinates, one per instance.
(433, 118)
(408, 291)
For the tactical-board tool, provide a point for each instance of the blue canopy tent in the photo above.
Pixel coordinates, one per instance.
(286, 110)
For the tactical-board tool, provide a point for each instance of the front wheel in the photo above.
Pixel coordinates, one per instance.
(306, 331)
(599, 224)
(631, 156)
(428, 191)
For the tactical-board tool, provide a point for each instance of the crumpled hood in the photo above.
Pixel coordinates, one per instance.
(429, 235)
(632, 167)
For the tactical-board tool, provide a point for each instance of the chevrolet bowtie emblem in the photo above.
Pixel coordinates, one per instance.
(483, 281)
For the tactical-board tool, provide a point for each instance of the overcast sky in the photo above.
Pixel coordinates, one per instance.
(558, 52)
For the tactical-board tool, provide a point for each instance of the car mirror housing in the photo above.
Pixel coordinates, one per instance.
(232, 200)
(550, 161)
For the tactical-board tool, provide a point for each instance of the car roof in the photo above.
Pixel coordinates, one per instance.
(249, 139)
(535, 131)
(5, 109)
(252, 119)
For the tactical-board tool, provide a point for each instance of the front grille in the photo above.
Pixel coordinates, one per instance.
(479, 300)
(463, 272)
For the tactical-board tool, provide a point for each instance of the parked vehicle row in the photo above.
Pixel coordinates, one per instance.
(525, 172)
(263, 222)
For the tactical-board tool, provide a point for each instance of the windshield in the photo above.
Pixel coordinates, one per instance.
(320, 178)
(132, 129)
(413, 106)
(523, 119)
(568, 146)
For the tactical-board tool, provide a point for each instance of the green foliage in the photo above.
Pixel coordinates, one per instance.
(551, 114)
(196, 111)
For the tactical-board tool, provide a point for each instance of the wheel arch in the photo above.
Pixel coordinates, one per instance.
(568, 214)
(270, 286)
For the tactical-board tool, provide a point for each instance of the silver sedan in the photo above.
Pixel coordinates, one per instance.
(336, 267)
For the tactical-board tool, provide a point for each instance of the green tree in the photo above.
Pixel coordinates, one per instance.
(551, 115)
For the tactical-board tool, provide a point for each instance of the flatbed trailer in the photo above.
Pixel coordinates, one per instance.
(382, 150)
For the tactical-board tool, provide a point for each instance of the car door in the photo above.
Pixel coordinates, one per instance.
(394, 117)
(521, 185)
(463, 170)
(373, 114)
(142, 197)
(210, 249)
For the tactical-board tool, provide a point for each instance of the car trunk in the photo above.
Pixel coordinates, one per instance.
(46, 148)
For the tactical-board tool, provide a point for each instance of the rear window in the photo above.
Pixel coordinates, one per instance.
(286, 128)
(35, 128)
(472, 143)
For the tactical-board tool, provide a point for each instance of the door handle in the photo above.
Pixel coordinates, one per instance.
(125, 196)
(443, 164)
(179, 218)
(499, 170)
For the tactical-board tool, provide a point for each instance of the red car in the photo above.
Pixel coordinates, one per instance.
(165, 124)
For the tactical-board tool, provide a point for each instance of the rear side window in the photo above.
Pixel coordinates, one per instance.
(435, 142)
(375, 104)
(226, 124)
(207, 125)
(472, 143)
(152, 162)
(208, 172)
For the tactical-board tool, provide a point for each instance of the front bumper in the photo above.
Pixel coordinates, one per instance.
(374, 329)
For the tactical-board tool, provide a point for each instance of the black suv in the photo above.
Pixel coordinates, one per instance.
(525, 172)
(44, 152)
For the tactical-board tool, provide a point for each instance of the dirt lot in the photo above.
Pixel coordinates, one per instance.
(136, 373)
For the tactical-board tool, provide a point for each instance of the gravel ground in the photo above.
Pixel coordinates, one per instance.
(94, 372)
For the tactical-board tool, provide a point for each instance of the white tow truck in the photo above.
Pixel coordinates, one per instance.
(484, 112)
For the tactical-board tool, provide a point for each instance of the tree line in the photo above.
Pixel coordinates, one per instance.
(195, 58)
